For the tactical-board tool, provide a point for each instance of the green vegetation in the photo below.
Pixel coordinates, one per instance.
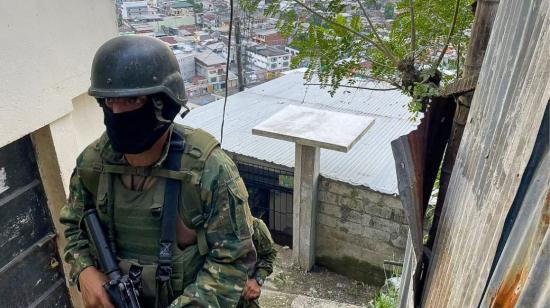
(406, 54)
(386, 298)
(389, 11)
(373, 4)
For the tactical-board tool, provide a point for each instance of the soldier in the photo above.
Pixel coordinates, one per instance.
(265, 248)
(145, 167)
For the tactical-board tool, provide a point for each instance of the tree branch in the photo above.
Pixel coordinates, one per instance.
(382, 79)
(385, 49)
(343, 27)
(353, 87)
(413, 29)
(451, 30)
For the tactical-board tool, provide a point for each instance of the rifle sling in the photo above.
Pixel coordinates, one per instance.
(169, 213)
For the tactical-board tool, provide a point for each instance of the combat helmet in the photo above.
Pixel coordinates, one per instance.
(129, 66)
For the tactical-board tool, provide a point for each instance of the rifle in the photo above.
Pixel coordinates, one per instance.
(122, 289)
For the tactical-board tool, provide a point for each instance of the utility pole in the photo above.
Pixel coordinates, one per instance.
(238, 52)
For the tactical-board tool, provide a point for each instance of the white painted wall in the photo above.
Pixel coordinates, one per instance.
(186, 62)
(45, 59)
(73, 132)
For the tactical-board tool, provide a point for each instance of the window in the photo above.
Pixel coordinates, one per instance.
(285, 58)
(214, 79)
(285, 64)
(274, 65)
(273, 59)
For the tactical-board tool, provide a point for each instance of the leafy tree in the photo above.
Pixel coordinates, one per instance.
(408, 57)
(373, 4)
(389, 10)
(197, 6)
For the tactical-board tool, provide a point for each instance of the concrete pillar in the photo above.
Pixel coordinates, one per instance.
(310, 129)
(306, 179)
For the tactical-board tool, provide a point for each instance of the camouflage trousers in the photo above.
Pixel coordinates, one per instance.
(248, 304)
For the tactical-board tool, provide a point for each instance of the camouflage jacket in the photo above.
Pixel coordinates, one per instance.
(265, 248)
(231, 256)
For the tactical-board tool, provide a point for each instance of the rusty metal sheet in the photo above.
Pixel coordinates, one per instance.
(417, 158)
(409, 182)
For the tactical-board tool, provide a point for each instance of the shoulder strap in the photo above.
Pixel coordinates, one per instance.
(89, 164)
(169, 212)
(198, 146)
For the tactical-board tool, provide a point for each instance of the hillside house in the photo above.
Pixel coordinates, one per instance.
(268, 58)
(212, 67)
(270, 37)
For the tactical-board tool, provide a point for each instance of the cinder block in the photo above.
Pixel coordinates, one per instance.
(378, 211)
(399, 241)
(351, 203)
(327, 220)
(330, 209)
(323, 184)
(384, 225)
(393, 202)
(350, 227)
(328, 197)
(351, 215)
(398, 215)
(370, 196)
(342, 189)
(376, 234)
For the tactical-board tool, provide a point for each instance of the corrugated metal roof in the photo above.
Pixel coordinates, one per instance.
(209, 58)
(369, 163)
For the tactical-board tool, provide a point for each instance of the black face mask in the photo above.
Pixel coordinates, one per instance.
(134, 131)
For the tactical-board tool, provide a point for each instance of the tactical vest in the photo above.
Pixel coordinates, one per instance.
(133, 218)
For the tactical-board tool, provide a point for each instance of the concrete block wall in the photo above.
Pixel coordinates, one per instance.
(357, 229)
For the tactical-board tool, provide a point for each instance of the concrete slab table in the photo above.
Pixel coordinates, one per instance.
(310, 129)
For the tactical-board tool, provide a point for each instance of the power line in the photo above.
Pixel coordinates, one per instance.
(227, 68)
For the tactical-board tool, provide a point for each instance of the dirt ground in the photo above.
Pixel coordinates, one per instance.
(319, 283)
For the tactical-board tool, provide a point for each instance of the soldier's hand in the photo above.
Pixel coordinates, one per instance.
(252, 290)
(91, 286)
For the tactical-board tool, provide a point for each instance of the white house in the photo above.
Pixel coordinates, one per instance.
(268, 58)
(135, 10)
(186, 60)
(212, 67)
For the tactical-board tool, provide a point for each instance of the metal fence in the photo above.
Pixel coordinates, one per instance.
(270, 198)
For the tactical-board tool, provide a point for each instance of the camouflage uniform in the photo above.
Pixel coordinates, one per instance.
(265, 248)
(231, 255)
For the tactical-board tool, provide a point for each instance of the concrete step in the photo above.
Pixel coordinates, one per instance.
(275, 299)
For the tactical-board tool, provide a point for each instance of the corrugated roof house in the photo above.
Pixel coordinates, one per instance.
(370, 163)
(359, 219)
